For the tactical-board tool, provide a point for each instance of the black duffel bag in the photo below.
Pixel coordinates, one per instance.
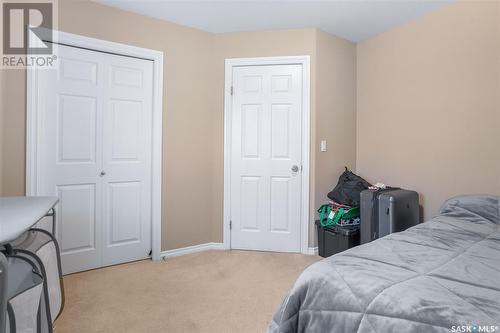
(348, 189)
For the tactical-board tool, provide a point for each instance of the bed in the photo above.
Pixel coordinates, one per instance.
(439, 276)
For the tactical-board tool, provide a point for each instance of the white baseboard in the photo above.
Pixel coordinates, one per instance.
(191, 249)
(312, 251)
(211, 246)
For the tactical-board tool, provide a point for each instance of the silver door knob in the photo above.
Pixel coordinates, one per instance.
(295, 168)
(102, 173)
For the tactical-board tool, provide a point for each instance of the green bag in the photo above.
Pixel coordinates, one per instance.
(338, 215)
(323, 211)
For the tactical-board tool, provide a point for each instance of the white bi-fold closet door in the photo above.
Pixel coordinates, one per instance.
(94, 153)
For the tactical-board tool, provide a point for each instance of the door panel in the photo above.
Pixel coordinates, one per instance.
(281, 83)
(266, 130)
(126, 77)
(95, 154)
(78, 206)
(124, 211)
(280, 131)
(280, 192)
(78, 219)
(250, 190)
(250, 126)
(126, 123)
(78, 70)
(77, 128)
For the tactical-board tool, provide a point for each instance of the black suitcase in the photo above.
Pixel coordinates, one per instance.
(386, 211)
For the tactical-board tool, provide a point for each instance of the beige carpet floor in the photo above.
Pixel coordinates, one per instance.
(213, 291)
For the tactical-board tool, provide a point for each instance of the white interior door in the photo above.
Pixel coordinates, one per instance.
(266, 157)
(95, 155)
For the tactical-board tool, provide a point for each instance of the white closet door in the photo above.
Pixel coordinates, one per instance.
(95, 155)
(71, 155)
(266, 155)
(126, 144)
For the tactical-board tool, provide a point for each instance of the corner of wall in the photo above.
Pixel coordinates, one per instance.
(335, 113)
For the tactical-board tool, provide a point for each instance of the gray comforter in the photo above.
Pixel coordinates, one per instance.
(439, 276)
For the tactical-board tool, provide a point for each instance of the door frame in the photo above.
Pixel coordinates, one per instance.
(306, 114)
(33, 121)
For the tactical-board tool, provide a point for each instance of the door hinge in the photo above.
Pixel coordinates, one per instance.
(230, 225)
(231, 90)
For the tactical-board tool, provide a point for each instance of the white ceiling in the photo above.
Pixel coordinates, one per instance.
(355, 20)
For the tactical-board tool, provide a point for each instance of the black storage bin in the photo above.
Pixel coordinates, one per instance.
(335, 239)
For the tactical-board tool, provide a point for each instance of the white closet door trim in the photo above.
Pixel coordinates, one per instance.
(33, 123)
(306, 139)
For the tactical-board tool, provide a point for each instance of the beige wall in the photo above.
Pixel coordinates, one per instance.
(13, 133)
(428, 96)
(193, 109)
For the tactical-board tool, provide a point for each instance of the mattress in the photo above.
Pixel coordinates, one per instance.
(439, 276)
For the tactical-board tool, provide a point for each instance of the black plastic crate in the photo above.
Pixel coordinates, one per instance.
(335, 239)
